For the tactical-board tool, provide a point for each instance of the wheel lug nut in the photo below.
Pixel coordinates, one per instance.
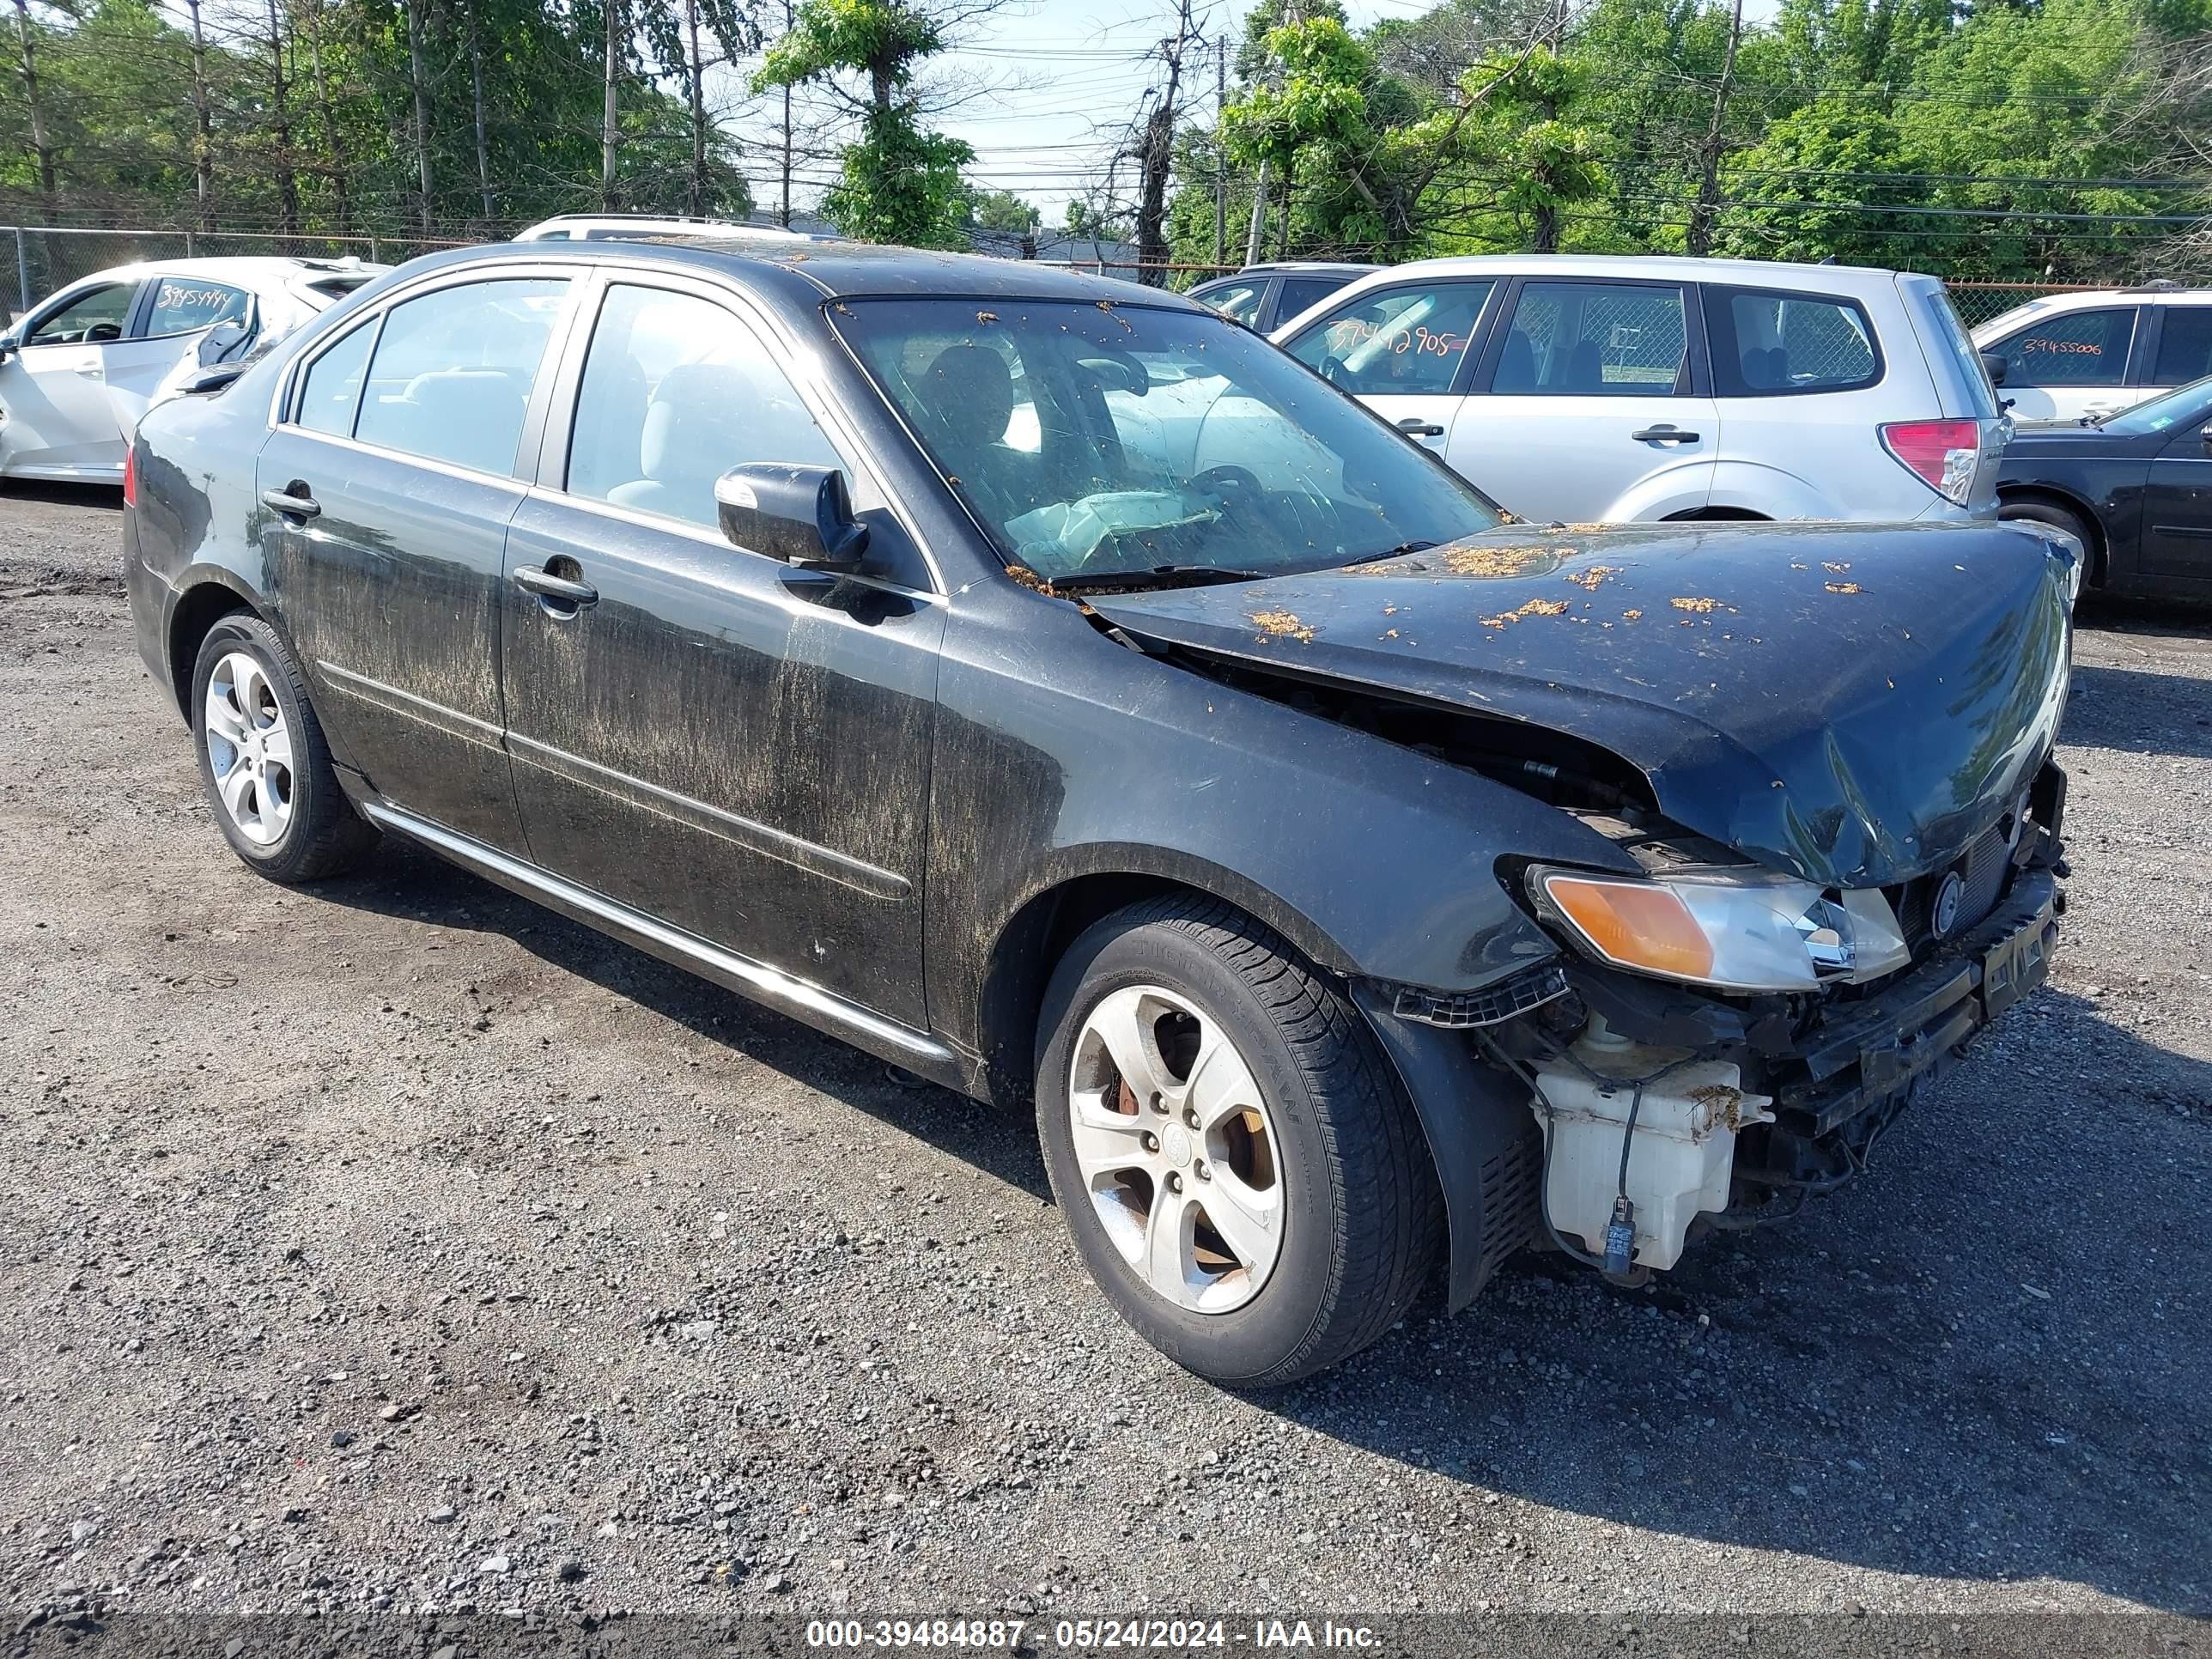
(1160, 1104)
(1151, 1142)
(1190, 1117)
(1200, 1170)
(1175, 1182)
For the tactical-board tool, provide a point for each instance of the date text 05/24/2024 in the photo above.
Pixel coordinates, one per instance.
(1088, 1635)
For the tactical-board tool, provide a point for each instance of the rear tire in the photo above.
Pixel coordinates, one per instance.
(1313, 1215)
(264, 764)
(2060, 517)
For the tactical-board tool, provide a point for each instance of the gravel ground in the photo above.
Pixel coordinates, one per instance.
(398, 1243)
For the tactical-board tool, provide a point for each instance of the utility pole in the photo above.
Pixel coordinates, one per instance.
(785, 215)
(696, 90)
(1697, 240)
(1259, 215)
(610, 126)
(1220, 150)
(202, 147)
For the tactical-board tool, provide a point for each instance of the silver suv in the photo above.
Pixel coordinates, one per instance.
(1578, 388)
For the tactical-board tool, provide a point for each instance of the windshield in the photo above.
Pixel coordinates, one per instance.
(1107, 440)
(2183, 406)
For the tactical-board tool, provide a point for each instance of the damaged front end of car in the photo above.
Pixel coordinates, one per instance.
(1823, 756)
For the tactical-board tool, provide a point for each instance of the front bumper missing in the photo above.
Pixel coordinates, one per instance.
(1861, 1054)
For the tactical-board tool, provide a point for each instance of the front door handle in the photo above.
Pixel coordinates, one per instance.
(294, 502)
(1414, 427)
(531, 579)
(1663, 434)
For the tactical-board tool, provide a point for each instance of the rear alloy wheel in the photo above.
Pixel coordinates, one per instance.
(264, 762)
(1230, 1149)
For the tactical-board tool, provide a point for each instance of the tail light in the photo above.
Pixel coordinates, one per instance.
(130, 476)
(1941, 454)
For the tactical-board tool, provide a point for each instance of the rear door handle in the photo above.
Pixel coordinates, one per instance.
(1663, 434)
(1414, 427)
(531, 579)
(292, 504)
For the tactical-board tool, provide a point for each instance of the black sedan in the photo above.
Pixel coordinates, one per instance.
(1060, 692)
(2136, 489)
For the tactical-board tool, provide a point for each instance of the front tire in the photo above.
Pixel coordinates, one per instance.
(1230, 1147)
(264, 765)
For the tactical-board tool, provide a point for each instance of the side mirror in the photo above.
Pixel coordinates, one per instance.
(802, 515)
(1993, 365)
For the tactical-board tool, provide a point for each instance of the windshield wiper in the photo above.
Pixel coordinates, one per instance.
(1160, 576)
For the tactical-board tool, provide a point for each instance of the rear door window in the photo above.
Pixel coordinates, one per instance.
(1396, 340)
(453, 371)
(2073, 348)
(184, 305)
(2185, 346)
(1768, 345)
(1593, 339)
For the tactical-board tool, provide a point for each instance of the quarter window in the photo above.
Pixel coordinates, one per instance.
(2075, 348)
(182, 305)
(1593, 339)
(2185, 346)
(1400, 340)
(332, 390)
(676, 391)
(453, 372)
(1767, 345)
(88, 320)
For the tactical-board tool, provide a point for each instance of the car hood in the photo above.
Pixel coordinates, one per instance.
(1855, 704)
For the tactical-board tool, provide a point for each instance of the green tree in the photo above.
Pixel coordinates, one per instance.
(900, 182)
(1001, 210)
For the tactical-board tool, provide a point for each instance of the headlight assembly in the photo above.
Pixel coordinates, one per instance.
(1734, 930)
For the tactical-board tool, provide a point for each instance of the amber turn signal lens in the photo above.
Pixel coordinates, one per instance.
(1634, 924)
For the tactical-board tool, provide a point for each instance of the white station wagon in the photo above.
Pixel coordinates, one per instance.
(1590, 388)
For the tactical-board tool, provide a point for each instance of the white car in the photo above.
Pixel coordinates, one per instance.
(615, 226)
(79, 369)
(2077, 356)
(1582, 388)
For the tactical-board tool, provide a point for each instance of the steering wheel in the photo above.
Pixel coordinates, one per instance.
(1229, 481)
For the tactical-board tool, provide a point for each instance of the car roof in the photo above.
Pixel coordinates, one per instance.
(623, 224)
(809, 273)
(1297, 267)
(242, 268)
(1768, 272)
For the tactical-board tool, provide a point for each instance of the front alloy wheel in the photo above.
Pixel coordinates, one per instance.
(1177, 1154)
(1231, 1151)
